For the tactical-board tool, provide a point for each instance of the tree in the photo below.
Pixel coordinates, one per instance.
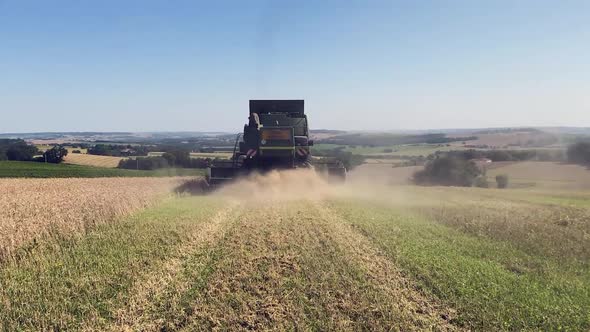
(147, 163)
(502, 181)
(348, 159)
(449, 171)
(482, 182)
(499, 155)
(99, 150)
(55, 155)
(579, 153)
(170, 158)
(17, 150)
(178, 158)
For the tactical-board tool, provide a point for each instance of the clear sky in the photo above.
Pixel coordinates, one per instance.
(376, 65)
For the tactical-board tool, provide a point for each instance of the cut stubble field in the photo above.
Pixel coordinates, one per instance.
(289, 252)
(92, 160)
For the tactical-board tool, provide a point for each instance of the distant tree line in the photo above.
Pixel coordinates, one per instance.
(177, 159)
(374, 140)
(123, 150)
(505, 155)
(507, 131)
(147, 163)
(115, 150)
(579, 153)
(449, 171)
(455, 171)
(348, 159)
(326, 131)
(19, 150)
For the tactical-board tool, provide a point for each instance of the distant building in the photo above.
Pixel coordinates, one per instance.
(481, 163)
(127, 152)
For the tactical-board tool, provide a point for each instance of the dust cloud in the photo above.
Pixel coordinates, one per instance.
(304, 184)
(279, 186)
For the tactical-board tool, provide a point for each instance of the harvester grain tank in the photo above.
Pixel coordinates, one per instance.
(276, 137)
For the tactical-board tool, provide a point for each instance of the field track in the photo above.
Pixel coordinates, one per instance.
(293, 265)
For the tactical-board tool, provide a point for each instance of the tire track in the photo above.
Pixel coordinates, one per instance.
(249, 289)
(156, 297)
(414, 306)
(297, 266)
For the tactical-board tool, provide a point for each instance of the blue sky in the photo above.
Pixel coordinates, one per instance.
(366, 65)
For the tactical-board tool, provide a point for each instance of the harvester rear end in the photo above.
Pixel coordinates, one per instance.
(276, 137)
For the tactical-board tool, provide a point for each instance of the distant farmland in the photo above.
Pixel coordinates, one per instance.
(212, 155)
(524, 174)
(545, 175)
(392, 151)
(25, 169)
(92, 160)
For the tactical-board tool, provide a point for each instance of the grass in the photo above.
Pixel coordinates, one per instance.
(494, 278)
(23, 169)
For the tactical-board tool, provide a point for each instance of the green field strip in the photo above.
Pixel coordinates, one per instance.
(493, 285)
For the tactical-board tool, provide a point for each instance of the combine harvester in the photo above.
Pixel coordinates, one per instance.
(275, 138)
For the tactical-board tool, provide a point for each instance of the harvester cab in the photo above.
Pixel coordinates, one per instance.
(275, 137)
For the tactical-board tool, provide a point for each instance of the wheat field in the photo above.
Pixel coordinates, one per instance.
(34, 209)
(92, 160)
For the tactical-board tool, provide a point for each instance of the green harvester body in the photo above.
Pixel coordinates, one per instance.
(276, 137)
